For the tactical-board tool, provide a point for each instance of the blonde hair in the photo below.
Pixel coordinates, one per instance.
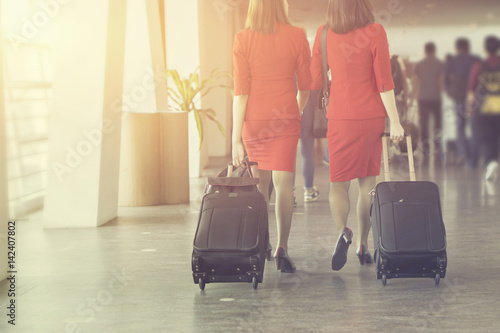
(343, 16)
(264, 15)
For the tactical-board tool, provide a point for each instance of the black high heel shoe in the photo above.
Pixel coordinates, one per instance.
(339, 257)
(364, 255)
(283, 261)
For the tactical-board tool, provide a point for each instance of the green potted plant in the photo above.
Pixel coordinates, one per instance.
(188, 92)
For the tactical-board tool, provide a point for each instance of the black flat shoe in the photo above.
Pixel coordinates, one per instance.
(283, 261)
(339, 257)
(364, 256)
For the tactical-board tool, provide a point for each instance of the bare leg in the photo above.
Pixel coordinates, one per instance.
(339, 204)
(283, 183)
(264, 182)
(366, 185)
(340, 207)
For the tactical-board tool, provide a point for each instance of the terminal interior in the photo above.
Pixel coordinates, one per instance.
(105, 186)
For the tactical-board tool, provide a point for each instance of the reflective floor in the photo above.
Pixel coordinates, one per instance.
(134, 274)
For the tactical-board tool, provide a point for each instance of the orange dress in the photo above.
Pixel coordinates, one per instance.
(361, 70)
(265, 66)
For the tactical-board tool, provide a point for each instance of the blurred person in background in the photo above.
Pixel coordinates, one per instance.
(307, 140)
(267, 56)
(457, 73)
(361, 97)
(484, 101)
(427, 87)
(400, 78)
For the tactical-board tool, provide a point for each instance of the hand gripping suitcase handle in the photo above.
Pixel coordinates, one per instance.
(248, 167)
(385, 155)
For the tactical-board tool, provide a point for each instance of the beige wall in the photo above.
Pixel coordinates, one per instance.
(183, 55)
(409, 43)
(216, 37)
(219, 21)
(3, 172)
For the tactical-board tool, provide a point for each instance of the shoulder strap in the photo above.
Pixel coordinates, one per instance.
(324, 58)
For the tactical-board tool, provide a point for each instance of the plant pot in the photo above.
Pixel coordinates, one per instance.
(140, 160)
(154, 167)
(174, 157)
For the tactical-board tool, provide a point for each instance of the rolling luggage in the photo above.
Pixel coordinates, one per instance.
(232, 238)
(408, 230)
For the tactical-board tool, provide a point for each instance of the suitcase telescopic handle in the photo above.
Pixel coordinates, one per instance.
(385, 151)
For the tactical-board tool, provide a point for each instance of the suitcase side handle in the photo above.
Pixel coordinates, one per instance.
(385, 154)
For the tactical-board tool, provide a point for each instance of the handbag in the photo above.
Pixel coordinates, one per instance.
(320, 122)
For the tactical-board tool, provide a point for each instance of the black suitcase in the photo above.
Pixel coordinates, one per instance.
(408, 230)
(232, 236)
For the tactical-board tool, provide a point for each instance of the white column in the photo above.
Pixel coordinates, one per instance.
(183, 54)
(4, 201)
(84, 136)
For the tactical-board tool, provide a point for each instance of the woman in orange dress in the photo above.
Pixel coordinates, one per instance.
(361, 97)
(267, 55)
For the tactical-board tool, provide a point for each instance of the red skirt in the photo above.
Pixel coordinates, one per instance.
(272, 143)
(354, 148)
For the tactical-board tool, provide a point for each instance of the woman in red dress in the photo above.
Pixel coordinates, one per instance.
(361, 97)
(267, 55)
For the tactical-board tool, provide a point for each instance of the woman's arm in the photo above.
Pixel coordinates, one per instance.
(302, 98)
(397, 131)
(241, 91)
(385, 83)
(303, 73)
(239, 111)
(316, 62)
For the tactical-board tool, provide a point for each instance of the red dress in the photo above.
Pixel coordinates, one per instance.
(361, 70)
(265, 66)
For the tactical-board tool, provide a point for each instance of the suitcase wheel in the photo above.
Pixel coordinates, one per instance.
(384, 279)
(437, 278)
(255, 283)
(201, 283)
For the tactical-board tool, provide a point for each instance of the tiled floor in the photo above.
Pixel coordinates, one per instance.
(134, 274)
